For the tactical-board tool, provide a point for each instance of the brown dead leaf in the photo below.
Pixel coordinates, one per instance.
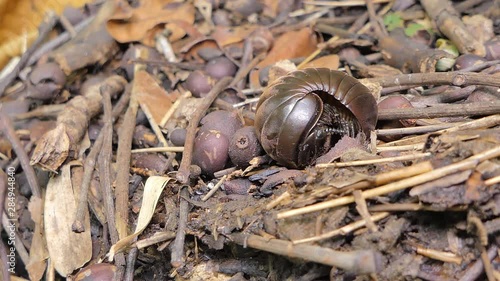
(225, 35)
(330, 61)
(153, 95)
(140, 24)
(293, 44)
(19, 21)
(68, 250)
(38, 251)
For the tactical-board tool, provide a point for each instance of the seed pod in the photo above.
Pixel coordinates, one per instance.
(210, 151)
(223, 121)
(302, 115)
(199, 83)
(244, 146)
(220, 67)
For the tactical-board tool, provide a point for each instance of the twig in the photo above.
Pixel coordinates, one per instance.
(49, 110)
(343, 3)
(418, 146)
(415, 130)
(455, 78)
(343, 230)
(468, 163)
(88, 170)
(358, 262)
(375, 161)
(412, 207)
(156, 238)
(67, 25)
(159, 149)
(177, 256)
(8, 131)
(104, 162)
(43, 31)
(243, 72)
(89, 166)
(123, 155)
(442, 110)
(485, 122)
(214, 189)
(130, 268)
(439, 255)
(183, 172)
(362, 209)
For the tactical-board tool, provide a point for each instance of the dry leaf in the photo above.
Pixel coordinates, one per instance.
(293, 44)
(38, 251)
(153, 95)
(68, 250)
(152, 191)
(330, 61)
(226, 35)
(140, 24)
(19, 21)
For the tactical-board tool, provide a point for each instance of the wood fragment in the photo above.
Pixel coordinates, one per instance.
(359, 262)
(177, 257)
(441, 110)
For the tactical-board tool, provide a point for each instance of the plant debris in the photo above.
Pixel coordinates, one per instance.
(130, 144)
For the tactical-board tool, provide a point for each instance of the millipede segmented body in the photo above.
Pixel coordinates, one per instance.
(302, 115)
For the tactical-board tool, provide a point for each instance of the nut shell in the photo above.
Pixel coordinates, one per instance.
(301, 115)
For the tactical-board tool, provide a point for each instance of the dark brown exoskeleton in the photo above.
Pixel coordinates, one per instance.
(302, 115)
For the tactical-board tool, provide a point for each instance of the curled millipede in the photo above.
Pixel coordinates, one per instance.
(302, 115)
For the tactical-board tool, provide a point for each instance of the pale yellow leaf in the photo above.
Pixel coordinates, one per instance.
(152, 191)
(68, 250)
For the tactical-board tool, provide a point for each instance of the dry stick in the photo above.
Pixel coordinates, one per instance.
(362, 209)
(243, 72)
(214, 189)
(89, 166)
(155, 239)
(468, 163)
(159, 149)
(50, 110)
(418, 146)
(415, 130)
(130, 268)
(455, 78)
(442, 110)
(343, 3)
(67, 25)
(474, 271)
(123, 155)
(390, 176)
(105, 176)
(45, 27)
(346, 229)
(8, 131)
(177, 256)
(485, 122)
(183, 172)
(403, 207)
(439, 255)
(358, 262)
(88, 169)
(375, 161)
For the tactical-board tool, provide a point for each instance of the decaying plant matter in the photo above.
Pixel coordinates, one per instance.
(255, 140)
